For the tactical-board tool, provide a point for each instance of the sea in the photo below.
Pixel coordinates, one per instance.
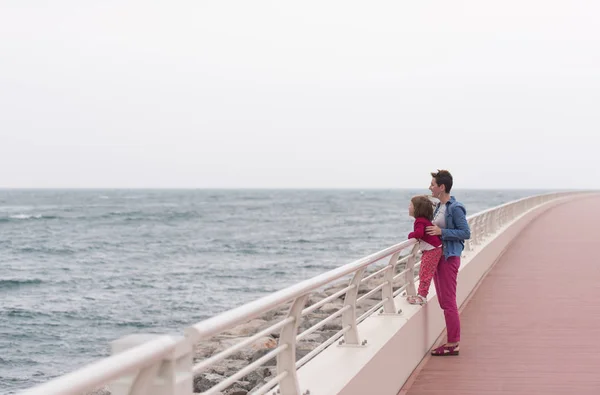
(80, 268)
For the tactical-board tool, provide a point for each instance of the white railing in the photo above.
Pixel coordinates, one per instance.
(163, 365)
(144, 362)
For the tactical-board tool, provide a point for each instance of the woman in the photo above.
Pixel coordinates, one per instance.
(450, 223)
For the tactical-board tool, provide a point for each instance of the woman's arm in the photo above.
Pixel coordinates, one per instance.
(462, 231)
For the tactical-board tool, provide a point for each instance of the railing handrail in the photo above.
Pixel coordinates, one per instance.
(512, 202)
(107, 369)
(251, 310)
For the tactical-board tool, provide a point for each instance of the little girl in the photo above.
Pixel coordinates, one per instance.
(421, 209)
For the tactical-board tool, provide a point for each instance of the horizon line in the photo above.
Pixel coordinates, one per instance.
(287, 188)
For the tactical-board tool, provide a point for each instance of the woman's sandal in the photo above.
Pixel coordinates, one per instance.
(445, 350)
(416, 299)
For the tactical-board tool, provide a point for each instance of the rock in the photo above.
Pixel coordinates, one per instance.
(327, 334)
(313, 337)
(264, 343)
(99, 391)
(308, 323)
(270, 316)
(204, 381)
(225, 343)
(228, 366)
(205, 349)
(272, 373)
(247, 328)
(362, 291)
(333, 326)
(257, 377)
(261, 353)
(331, 307)
(275, 315)
(220, 369)
(316, 298)
(245, 385)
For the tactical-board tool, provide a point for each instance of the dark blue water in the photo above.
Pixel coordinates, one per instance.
(79, 268)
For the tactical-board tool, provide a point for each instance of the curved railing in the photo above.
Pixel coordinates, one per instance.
(165, 362)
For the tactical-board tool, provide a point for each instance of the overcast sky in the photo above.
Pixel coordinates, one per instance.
(325, 94)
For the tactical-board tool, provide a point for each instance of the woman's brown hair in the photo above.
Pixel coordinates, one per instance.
(443, 177)
(423, 207)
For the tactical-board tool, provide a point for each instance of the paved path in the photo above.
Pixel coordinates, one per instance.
(533, 326)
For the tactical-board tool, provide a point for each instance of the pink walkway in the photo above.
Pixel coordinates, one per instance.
(533, 326)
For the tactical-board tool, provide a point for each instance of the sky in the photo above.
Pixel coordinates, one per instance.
(307, 94)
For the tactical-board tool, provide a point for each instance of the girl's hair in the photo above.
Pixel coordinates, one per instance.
(423, 207)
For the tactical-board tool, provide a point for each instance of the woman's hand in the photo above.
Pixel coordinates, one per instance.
(433, 230)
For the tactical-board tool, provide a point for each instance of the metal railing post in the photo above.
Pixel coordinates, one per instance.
(411, 290)
(171, 376)
(349, 316)
(476, 234)
(387, 292)
(494, 221)
(286, 360)
(486, 224)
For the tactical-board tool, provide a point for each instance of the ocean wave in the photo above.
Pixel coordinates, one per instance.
(119, 213)
(23, 313)
(183, 215)
(137, 215)
(17, 283)
(302, 241)
(47, 250)
(134, 324)
(29, 216)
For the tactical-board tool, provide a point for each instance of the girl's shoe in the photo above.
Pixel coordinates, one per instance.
(416, 299)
